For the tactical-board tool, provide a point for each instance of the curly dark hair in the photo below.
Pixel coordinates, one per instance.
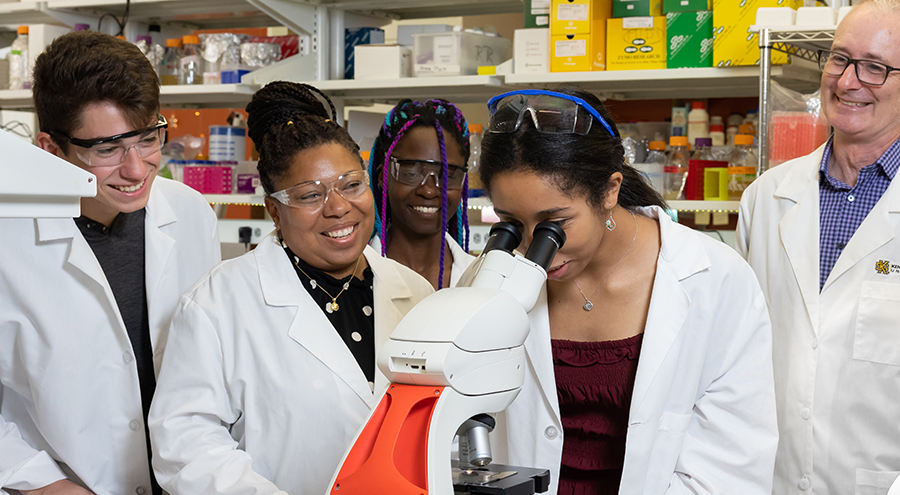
(440, 115)
(575, 163)
(284, 118)
(86, 67)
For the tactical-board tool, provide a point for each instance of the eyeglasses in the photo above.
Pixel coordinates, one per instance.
(314, 194)
(416, 172)
(112, 150)
(868, 72)
(551, 112)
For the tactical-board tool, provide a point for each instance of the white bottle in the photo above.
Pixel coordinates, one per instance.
(717, 133)
(475, 135)
(19, 72)
(698, 122)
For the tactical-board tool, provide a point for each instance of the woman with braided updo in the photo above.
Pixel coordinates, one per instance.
(270, 368)
(421, 154)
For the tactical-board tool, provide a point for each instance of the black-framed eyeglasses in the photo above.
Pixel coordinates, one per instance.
(868, 72)
(416, 172)
(112, 150)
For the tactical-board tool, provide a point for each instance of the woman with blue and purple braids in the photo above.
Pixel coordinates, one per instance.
(421, 154)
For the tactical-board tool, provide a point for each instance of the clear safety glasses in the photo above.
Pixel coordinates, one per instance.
(416, 172)
(111, 151)
(314, 194)
(867, 71)
(551, 112)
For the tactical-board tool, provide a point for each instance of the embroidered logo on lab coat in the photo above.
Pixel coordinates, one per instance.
(884, 267)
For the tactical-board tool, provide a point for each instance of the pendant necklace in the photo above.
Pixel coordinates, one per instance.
(588, 305)
(334, 305)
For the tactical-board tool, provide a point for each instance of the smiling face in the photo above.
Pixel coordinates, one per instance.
(858, 112)
(525, 199)
(330, 237)
(417, 209)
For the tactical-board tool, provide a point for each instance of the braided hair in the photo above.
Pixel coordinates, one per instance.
(441, 115)
(285, 118)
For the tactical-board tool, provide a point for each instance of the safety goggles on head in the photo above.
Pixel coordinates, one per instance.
(112, 150)
(868, 72)
(551, 112)
(416, 172)
(314, 194)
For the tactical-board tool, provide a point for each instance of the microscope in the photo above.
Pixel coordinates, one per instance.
(456, 358)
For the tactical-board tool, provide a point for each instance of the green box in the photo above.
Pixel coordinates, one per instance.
(537, 13)
(690, 39)
(686, 5)
(636, 8)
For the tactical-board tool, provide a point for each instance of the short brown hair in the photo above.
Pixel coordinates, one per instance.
(86, 67)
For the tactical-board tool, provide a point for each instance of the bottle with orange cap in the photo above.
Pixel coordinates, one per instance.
(741, 166)
(19, 72)
(171, 62)
(675, 172)
(190, 70)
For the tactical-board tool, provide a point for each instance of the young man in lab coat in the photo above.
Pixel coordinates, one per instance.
(822, 233)
(85, 304)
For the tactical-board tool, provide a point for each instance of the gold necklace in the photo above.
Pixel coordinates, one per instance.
(334, 304)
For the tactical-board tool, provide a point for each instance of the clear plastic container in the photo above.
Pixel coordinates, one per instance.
(458, 53)
(654, 165)
(703, 149)
(171, 62)
(18, 61)
(190, 69)
(475, 134)
(676, 168)
(741, 167)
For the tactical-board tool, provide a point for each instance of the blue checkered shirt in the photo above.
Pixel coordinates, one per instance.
(843, 208)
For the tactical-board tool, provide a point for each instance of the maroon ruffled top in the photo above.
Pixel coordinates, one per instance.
(594, 383)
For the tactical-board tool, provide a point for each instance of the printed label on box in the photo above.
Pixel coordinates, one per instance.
(543, 20)
(539, 7)
(444, 51)
(577, 12)
(435, 69)
(637, 22)
(571, 48)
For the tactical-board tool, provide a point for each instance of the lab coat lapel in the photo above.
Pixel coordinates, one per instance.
(80, 255)
(309, 327)
(540, 353)
(158, 245)
(799, 230)
(389, 286)
(875, 231)
(680, 257)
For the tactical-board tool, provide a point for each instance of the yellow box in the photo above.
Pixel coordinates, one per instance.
(570, 17)
(636, 43)
(570, 53)
(733, 42)
(592, 31)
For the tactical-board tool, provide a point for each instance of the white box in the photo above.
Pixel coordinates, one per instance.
(775, 16)
(39, 36)
(816, 16)
(842, 12)
(532, 51)
(405, 32)
(381, 61)
(457, 53)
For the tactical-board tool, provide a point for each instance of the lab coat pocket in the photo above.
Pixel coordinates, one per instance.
(877, 335)
(668, 444)
(874, 482)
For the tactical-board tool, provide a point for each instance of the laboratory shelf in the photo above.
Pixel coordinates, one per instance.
(677, 205)
(459, 89)
(211, 95)
(235, 199)
(199, 13)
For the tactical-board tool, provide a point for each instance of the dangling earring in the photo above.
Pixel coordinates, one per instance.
(610, 223)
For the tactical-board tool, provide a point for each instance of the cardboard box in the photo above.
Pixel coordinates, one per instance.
(686, 5)
(360, 36)
(636, 8)
(636, 43)
(537, 14)
(569, 15)
(382, 61)
(690, 39)
(569, 53)
(405, 32)
(734, 43)
(531, 51)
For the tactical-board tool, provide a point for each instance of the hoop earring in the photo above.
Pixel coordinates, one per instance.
(610, 223)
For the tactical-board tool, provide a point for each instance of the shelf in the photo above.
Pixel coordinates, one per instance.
(211, 95)
(235, 199)
(711, 206)
(803, 43)
(458, 89)
(206, 14)
(419, 9)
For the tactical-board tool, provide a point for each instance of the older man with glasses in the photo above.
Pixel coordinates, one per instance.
(85, 305)
(822, 233)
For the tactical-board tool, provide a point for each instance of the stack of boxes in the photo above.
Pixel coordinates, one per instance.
(734, 43)
(689, 33)
(578, 35)
(636, 35)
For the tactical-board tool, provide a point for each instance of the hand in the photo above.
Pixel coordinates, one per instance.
(61, 487)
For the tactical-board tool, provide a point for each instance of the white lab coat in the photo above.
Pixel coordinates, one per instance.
(258, 394)
(461, 259)
(70, 402)
(836, 353)
(702, 417)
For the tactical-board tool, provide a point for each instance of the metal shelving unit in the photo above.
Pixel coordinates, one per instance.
(800, 43)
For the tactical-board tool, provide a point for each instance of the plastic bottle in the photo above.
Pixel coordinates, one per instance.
(702, 150)
(716, 120)
(171, 62)
(676, 168)
(731, 130)
(476, 132)
(82, 27)
(190, 70)
(654, 165)
(698, 122)
(717, 134)
(19, 73)
(741, 166)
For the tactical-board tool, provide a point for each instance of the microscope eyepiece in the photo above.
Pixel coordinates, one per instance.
(503, 236)
(548, 238)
